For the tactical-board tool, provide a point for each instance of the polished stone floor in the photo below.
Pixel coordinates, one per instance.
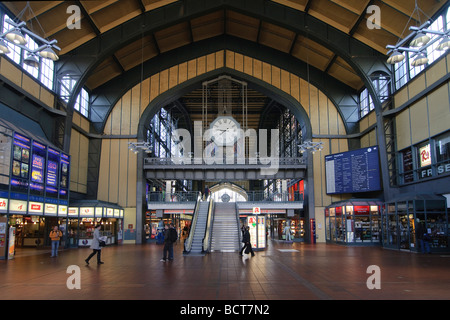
(282, 272)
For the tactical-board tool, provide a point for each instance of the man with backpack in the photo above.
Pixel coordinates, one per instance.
(170, 237)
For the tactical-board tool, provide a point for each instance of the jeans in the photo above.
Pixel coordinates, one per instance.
(168, 251)
(425, 246)
(55, 246)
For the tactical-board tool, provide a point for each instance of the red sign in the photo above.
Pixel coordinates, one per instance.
(36, 207)
(361, 209)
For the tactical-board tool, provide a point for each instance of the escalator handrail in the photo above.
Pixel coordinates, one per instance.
(207, 238)
(188, 241)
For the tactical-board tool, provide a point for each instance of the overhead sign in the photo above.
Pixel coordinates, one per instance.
(353, 171)
(256, 210)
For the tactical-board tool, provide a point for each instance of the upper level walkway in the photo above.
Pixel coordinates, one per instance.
(237, 169)
(294, 271)
(266, 201)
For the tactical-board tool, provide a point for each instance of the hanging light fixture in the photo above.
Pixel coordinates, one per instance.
(444, 44)
(31, 61)
(48, 53)
(4, 48)
(420, 40)
(395, 57)
(420, 60)
(15, 36)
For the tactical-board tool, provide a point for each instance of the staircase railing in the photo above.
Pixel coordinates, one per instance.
(190, 238)
(238, 225)
(206, 246)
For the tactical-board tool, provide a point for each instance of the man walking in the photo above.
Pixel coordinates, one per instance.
(247, 248)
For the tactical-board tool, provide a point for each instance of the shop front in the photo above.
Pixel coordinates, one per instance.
(83, 216)
(354, 222)
(402, 218)
(155, 221)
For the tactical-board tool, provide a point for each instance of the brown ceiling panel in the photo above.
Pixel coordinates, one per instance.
(355, 6)
(375, 38)
(295, 4)
(131, 55)
(70, 39)
(333, 14)
(115, 14)
(312, 52)
(344, 73)
(430, 7)
(242, 26)
(154, 4)
(208, 26)
(106, 71)
(93, 6)
(35, 9)
(276, 37)
(173, 37)
(392, 21)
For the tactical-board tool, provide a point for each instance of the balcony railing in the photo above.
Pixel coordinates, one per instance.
(251, 196)
(264, 161)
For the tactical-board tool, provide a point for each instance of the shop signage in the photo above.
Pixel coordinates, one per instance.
(109, 212)
(425, 155)
(3, 204)
(35, 207)
(62, 210)
(17, 206)
(98, 212)
(441, 169)
(178, 211)
(361, 209)
(73, 212)
(86, 212)
(116, 213)
(263, 211)
(50, 209)
(256, 210)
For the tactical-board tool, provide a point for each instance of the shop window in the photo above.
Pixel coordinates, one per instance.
(407, 165)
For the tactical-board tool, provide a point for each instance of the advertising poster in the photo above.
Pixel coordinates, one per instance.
(37, 169)
(12, 240)
(257, 229)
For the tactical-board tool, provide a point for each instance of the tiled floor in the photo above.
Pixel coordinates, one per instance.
(282, 272)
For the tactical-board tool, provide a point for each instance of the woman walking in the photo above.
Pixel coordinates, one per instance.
(95, 246)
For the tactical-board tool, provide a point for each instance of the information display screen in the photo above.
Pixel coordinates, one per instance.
(353, 171)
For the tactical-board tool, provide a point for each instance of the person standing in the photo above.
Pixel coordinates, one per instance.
(167, 243)
(55, 236)
(247, 248)
(173, 239)
(95, 246)
(423, 237)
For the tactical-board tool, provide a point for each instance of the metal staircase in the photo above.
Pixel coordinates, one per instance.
(225, 232)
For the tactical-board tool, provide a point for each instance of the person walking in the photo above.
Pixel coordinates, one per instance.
(247, 248)
(95, 246)
(55, 236)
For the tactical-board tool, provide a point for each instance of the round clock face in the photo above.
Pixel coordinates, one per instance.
(225, 131)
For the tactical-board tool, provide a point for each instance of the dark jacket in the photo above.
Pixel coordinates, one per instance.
(246, 237)
(420, 231)
(167, 236)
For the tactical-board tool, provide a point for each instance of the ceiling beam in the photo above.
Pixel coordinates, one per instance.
(88, 17)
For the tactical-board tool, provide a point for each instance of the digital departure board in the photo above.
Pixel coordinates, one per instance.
(353, 171)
